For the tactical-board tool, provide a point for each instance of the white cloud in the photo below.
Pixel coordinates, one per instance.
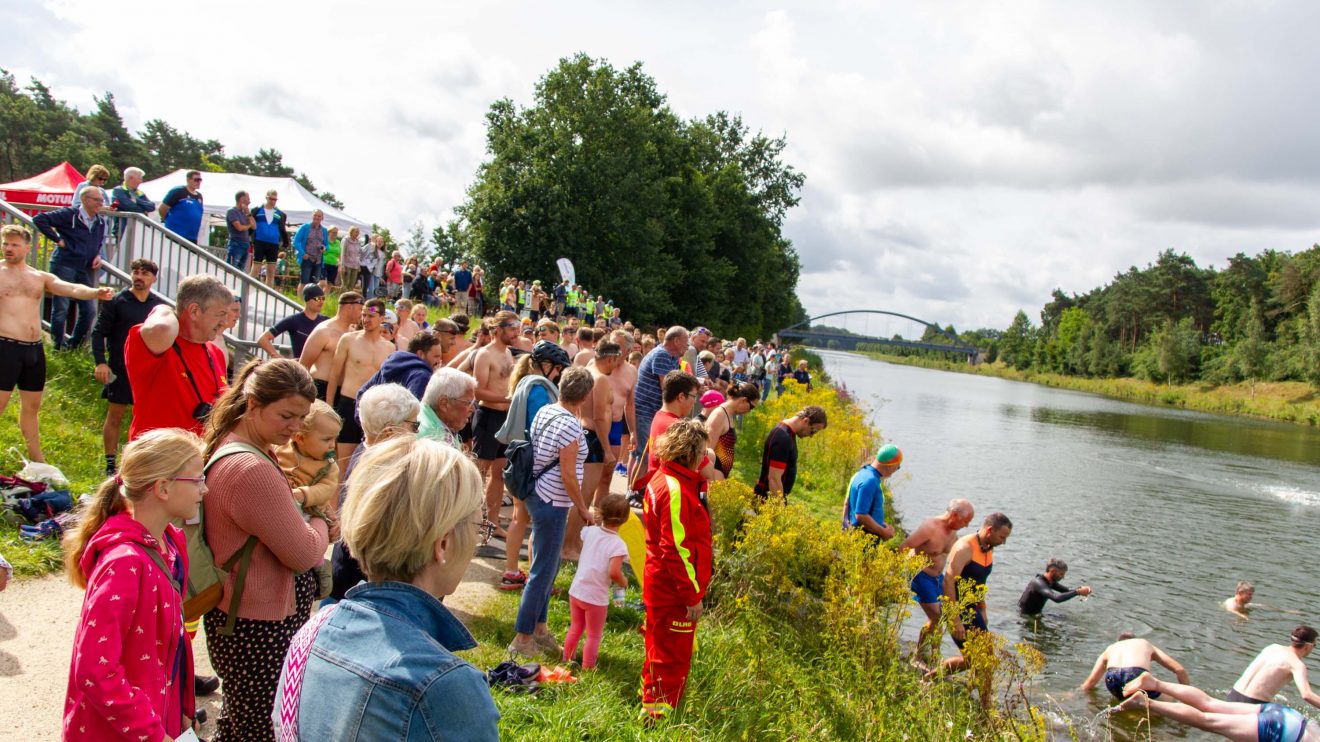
(962, 158)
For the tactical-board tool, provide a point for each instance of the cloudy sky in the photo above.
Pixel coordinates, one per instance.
(962, 158)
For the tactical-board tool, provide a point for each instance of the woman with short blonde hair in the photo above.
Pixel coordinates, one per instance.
(380, 664)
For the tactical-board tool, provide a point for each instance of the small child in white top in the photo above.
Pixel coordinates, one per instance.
(600, 564)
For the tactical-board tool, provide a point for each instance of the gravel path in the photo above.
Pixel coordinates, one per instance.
(37, 621)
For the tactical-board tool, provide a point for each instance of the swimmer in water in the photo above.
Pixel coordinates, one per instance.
(1125, 660)
(1240, 603)
(1047, 586)
(1241, 722)
(1274, 667)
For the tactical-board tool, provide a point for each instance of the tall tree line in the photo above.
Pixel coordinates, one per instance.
(38, 132)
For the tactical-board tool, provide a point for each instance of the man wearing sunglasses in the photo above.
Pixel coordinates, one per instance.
(779, 457)
(492, 366)
(300, 325)
(318, 353)
(181, 210)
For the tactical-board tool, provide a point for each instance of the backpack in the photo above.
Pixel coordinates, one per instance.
(518, 476)
(205, 583)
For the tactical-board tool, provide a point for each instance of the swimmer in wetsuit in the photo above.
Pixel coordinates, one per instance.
(1125, 660)
(1269, 722)
(1047, 587)
(971, 560)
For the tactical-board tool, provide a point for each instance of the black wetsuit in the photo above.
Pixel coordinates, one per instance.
(1038, 591)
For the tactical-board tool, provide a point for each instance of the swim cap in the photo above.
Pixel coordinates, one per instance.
(711, 399)
(889, 454)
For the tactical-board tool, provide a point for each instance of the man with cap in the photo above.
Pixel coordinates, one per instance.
(865, 507)
(300, 325)
(318, 353)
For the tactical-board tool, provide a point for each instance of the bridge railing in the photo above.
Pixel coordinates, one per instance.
(177, 258)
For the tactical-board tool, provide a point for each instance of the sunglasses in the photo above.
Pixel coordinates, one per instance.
(343, 303)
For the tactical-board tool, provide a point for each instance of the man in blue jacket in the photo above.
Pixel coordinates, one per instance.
(78, 232)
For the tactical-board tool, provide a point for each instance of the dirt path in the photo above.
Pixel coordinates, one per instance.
(37, 621)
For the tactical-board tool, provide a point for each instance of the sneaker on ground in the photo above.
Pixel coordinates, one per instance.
(205, 685)
(529, 648)
(548, 643)
(513, 580)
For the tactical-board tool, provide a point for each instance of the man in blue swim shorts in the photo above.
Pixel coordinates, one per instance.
(933, 539)
(1267, 722)
(1127, 659)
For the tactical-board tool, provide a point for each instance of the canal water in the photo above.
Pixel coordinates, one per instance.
(1160, 511)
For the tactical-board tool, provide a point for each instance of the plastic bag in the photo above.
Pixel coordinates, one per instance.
(35, 471)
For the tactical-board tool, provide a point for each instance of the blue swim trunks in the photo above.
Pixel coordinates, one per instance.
(1117, 677)
(616, 432)
(927, 588)
(1275, 723)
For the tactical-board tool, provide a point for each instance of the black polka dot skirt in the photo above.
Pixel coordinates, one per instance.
(249, 661)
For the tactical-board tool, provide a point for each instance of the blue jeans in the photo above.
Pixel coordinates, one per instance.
(765, 389)
(369, 283)
(237, 255)
(59, 308)
(310, 271)
(548, 524)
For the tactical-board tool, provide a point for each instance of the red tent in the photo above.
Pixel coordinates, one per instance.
(52, 188)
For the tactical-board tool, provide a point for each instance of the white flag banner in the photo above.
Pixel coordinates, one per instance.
(566, 270)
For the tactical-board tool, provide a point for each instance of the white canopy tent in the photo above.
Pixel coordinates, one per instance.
(218, 191)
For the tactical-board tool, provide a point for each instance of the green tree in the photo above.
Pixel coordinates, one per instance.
(646, 205)
(1018, 342)
(1249, 354)
(1313, 335)
(1073, 334)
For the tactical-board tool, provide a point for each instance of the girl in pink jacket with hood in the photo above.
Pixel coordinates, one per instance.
(131, 677)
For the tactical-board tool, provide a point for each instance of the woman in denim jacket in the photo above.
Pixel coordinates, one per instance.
(380, 665)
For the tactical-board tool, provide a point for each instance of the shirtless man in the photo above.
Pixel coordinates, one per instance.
(1240, 603)
(406, 328)
(22, 355)
(318, 355)
(624, 379)
(597, 415)
(492, 365)
(933, 539)
(358, 356)
(970, 561)
(586, 342)
(1272, 669)
(1125, 660)
(459, 323)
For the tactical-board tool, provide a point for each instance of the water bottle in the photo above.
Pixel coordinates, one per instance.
(618, 594)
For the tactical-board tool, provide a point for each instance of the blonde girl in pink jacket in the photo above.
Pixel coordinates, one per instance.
(131, 677)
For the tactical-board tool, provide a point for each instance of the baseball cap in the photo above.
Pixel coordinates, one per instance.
(312, 291)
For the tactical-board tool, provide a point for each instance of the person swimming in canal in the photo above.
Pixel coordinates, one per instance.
(1048, 586)
(1240, 604)
(1241, 722)
(1125, 660)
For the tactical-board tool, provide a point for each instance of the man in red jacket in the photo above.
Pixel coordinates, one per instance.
(678, 565)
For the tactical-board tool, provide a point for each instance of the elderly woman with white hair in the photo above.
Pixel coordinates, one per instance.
(386, 411)
(380, 664)
(447, 404)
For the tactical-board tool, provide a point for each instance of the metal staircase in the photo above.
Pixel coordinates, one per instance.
(141, 237)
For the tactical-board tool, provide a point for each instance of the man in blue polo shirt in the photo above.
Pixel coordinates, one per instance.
(181, 210)
(865, 508)
(270, 234)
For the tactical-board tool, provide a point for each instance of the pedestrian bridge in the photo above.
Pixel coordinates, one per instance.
(848, 339)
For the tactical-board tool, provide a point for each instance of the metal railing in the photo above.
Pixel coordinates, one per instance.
(137, 236)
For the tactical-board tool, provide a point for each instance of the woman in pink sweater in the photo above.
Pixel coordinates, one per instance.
(248, 633)
(131, 677)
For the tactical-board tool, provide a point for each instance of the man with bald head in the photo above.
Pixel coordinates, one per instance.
(662, 359)
(933, 539)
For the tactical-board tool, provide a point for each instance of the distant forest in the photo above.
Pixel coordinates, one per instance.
(1173, 321)
(38, 132)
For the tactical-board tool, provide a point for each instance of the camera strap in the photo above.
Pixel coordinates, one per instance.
(188, 372)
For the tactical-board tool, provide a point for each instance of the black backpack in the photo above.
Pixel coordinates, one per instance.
(518, 476)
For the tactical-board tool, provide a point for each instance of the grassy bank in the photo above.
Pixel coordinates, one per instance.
(1286, 401)
(801, 635)
(71, 414)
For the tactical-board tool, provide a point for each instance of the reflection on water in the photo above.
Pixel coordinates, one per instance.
(1161, 511)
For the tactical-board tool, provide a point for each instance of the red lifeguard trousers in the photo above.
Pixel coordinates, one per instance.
(669, 641)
